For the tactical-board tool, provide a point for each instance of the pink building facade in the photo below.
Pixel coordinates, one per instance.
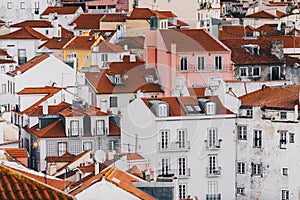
(107, 6)
(187, 58)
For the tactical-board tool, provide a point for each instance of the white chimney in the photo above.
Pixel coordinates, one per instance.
(132, 58)
(296, 108)
(97, 168)
(103, 105)
(126, 47)
(45, 108)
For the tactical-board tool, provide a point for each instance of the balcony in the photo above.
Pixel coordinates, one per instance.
(215, 145)
(193, 68)
(180, 173)
(213, 197)
(173, 146)
(213, 172)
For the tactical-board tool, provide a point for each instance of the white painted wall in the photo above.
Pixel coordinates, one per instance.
(111, 57)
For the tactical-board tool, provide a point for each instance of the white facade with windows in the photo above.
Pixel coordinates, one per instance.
(198, 148)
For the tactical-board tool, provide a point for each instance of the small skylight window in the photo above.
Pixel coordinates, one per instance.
(59, 40)
(106, 34)
(189, 108)
(90, 39)
(197, 108)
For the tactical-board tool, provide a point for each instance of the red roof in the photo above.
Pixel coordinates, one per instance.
(114, 18)
(82, 111)
(197, 91)
(67, 157)
(192, 40)
(266, 14)
(114, 129)
(289, 41)
(5, 61)
(107, 47)
(55, 43)
(33, 24)
(146, 14)
(240, 56)
(53, 130)
(231, 32)
(17, 152)
(81, 42)
(24, 33)
(65, 33)
(285, 97)
(268, 29)
(16, 184)
(133, 76)
(52, 109)
(68, 10)
(92, 19)
(30, 64)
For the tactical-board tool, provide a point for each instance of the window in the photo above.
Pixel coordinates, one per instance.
(189, 108)
(182, 166)
(162, 110)
(3, 89)
(240, 190)
(164, 139)
(113, 145)
(257, 169)
(87, 56)
(46, 32)
(104, 57)
(73, 55)
(292, 137)
(242, 132)
(62, 148)
(22, 59)
(249, 113)
(165, 165)
(212, 165)
(282, 115)
(256, 71)
(74, 127)
(285, 171)
(283, 139)
(100, 127)
(2, 69)
(257, 138)
(22, 5)
(212, 138)
(210, 108)
(218, 62)
(87, 146)
(183, 64)
(9, 5)
(284, 194)
(243, 71)
(113, 102)
(182, 191)
(182, 138)
(241, 166)
(200, 64)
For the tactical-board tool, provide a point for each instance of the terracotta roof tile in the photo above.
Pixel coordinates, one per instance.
(114, 129)
(135, 171)
(24, 33)
(240, 56)
(266, 14)
(81, 42)
(285, 97)
(268, 29)
(4, 53)
(197, 91)
(135, 81)
(65, 33)
(5, 61)
(107, 47)
(289, 41)
(21, 185)
(146, 14)
(67, 157)
(55, 43)
(92, 19)
(114, 18)
(191, 40)
(53, 130)
(231, 32)
(17, 152)
(82, 111)
(133, 42)
(33, 24)
(61, 10)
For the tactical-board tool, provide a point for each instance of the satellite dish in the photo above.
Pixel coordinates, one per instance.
(100, 156)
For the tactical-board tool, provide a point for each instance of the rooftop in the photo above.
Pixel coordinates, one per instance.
(24, 33)
(68, 10)
(33, 24)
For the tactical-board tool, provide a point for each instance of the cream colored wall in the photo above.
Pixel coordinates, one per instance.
(137, 27)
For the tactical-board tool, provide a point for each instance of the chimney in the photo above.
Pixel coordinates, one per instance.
(132, 58)
(103, 105)
(97, 168)
(276, 49)
(296, 108)
(126, 47)
(45, 108)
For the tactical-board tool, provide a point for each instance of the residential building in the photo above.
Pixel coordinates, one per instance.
(22, 44)
(115, 87)
(114, 6)
(187, 58)
(64, 15)
(186, 137)
(79, 50)
(257, 59)
(106, 52)
(266, 142)
(7, 64)
(54, 46)
(134, 44)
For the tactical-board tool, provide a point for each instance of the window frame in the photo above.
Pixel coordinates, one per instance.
(200, 63)
(257, 169)
(59, 150)
(113, 101)
(99, 130)
(183, 67)
(257, 138)
(164, 139)
(241, 167)
(242, 134)
(73, 129)
(9, 5)
(162, 110)
(283, 115)
(285, 171)
(292, 137)
(241, 73)
(182, 140)
(285, 195)
(218, 62)
(182, 166)
(182, 187)
(84, 145)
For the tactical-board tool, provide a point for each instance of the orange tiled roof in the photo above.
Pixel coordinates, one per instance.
(265, 14)
(191, 40)
(81, 42)
(92, 19)
(4, 53)
(5, 61)
(68, 10)
(52, 109)
(135, 71)
(146, 14)
(268, 29)
(285, 97)
(114, 18)
(53, 130)
(114, 129)
(55, 43)
(15, 184)
(197, 91)
(107, 47)
(33, 24)
(30, 64)
(24, 33)
(231, 32)
(133, 42)
(289, 41)
(17, 152)
(240, 56)
(67, 157)
(82, 111)
(65, 33)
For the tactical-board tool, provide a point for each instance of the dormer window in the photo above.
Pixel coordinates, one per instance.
(253, 49)
(189, 108)
(162, 110)
(149, 78)
(117, 79)
(210, 108)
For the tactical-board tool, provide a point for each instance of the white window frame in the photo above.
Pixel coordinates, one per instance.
(212, 137)
(74, 127)
(257, 169)
(62, 148)
(9, 5)
(100, 126)
(201, 63)
(164, 139)
(183, 64)
(292, 137)
(245, 72)
(240, 190)
(165, 165)
(22, 5)
(257, 138)
(182, 190)
(162, 110)
(113, 101)
(104, 57)
(283, 115)
(212, 163)
(210, 108)
(87, 145)
(242, 132)
(285, 171)
(182, 166)
(241, 167)
(285, 195)
(218, 62)
(182, 138)
(259, 71)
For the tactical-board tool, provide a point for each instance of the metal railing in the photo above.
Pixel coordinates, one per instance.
(213, 145)
(213, 197)
(174, 146)
(212, 172)
(180, 173)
